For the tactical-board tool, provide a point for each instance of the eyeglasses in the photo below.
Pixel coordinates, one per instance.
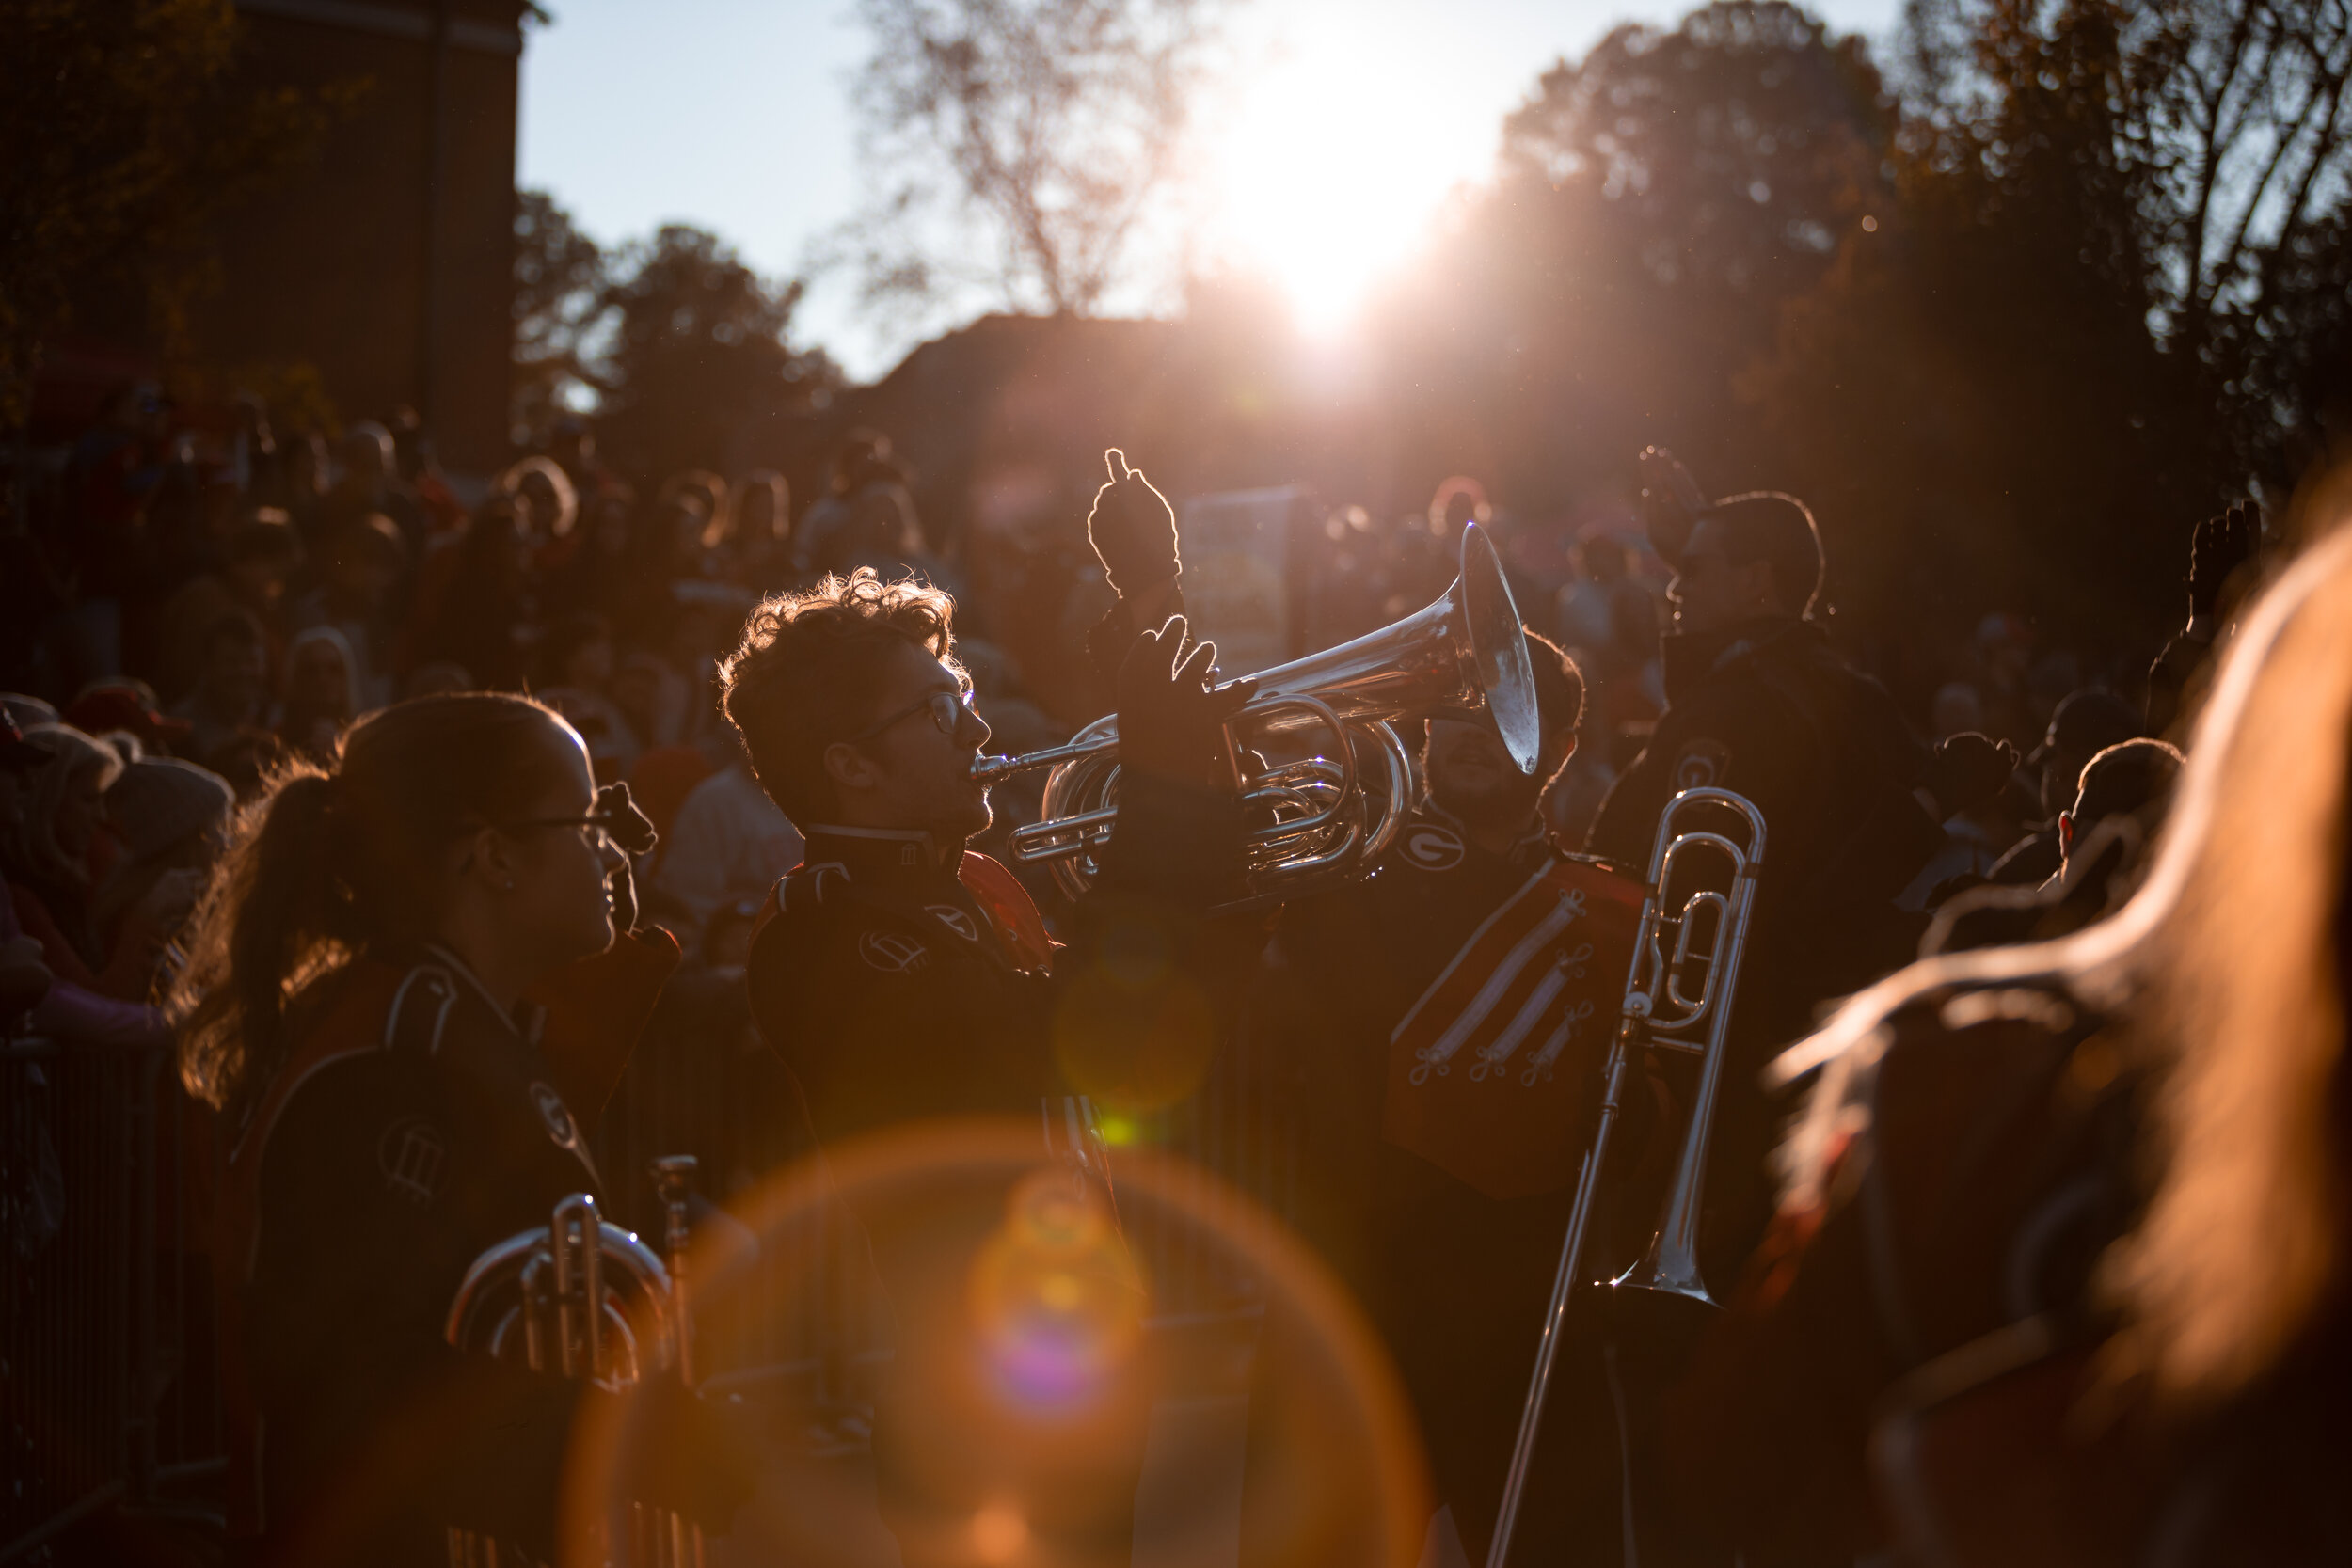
(947, 709)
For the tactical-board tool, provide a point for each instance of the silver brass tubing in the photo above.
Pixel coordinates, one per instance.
(1464, 655)
(1671, 1265)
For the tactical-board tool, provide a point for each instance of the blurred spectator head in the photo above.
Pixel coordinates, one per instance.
(546, 503)
(496, 554)
(1459, 499)
(2004, 646)
(137, 408)
(366, 454)
(437, 678)
(992, 671)
(571, 443)
(809, 676)
(2052, 676)
(232, 677)
(169, 812)
(762, 510)
(128, 704)
(862, 456)
(643, 688)
(689, 515)
(65, 804)
(578, 652)
(412, 445)
(610, 521)
(306, 467)
(1959, 710)
(1756, 554)
(2131, 778)
(2085, 723)
(612, 745)
(264, 553)
(322, 680)
(364, 560)
(1603, 556)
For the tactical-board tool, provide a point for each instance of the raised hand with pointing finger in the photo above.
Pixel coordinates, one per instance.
(1133, 530)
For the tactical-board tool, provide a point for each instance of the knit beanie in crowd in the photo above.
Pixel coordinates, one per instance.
(161, 803)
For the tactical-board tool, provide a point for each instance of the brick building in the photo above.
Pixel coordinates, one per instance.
(387, 265)
(384, 262)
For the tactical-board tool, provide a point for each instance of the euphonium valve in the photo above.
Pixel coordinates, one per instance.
(1331, 780)
(556, 1300)
(585, 1299)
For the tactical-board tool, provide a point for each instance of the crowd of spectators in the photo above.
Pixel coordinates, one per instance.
(208, 607)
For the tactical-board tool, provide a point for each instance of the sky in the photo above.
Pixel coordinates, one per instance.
(734, 114)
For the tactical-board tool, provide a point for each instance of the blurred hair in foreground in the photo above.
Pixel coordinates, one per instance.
(2227, 970)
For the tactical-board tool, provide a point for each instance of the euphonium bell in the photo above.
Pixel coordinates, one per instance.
(1330, 781)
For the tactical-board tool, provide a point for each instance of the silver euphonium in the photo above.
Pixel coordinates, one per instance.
(1678, 998)
(1328, 782)
(582, 1298)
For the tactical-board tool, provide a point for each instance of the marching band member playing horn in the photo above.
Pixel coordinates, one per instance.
(359, 1005)
(903, 977)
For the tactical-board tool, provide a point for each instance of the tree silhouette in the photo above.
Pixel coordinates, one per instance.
(1018, 144)
(559, 302)
(2101, 307)
(125, 128)
(1655, 206)
(698, 350)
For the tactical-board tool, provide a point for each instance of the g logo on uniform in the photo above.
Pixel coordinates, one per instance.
(558, 1118)
(1700, 764)
(1432, 848)
(892, 953)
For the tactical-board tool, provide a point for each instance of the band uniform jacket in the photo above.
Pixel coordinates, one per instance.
(1344, 969)
(1447, 941)
(1773, 713)
(899, 989)
(413, 1126)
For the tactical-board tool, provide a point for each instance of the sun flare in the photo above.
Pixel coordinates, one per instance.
(1334, 155)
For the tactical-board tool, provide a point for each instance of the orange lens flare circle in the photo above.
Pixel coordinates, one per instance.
(946, 1334)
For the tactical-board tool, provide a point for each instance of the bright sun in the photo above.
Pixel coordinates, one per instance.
(1326, 171)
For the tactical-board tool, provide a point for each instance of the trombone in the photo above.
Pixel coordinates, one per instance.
(1698, 942)
(1326, 721)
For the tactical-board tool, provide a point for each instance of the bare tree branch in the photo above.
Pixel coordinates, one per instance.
(1038, 130)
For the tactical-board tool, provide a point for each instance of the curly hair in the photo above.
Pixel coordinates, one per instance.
(807, 671)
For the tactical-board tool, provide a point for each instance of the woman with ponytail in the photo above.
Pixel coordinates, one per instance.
(358, 1005)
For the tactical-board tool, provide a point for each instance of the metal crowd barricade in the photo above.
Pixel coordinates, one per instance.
(107, 1397)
